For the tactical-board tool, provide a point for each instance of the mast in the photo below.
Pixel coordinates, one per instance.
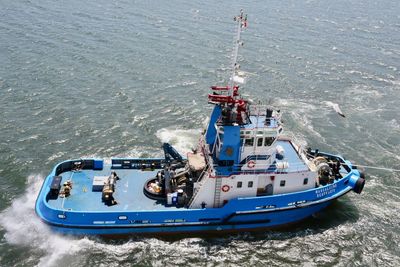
(232, 107)
(241, 24)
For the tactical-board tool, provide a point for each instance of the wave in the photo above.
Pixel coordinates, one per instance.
(23, 227)
(182, 139)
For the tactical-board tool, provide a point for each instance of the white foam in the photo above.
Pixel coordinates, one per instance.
(303, 113)
(23, 227)
(181, 139)
(56, 156)
(394, 124)
(32, 137)
(60, 141)
(188, 83)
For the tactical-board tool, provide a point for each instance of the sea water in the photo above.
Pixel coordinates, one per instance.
(118, 78)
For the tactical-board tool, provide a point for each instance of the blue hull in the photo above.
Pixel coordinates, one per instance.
(246, 223)
(240, 214)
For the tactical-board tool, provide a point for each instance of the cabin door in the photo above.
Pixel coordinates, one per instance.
(269, 190)
(265, 186)
(262, 183)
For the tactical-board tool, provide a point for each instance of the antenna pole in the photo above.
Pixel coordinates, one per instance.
(241, 23)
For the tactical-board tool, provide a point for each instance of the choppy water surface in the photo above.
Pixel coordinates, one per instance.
(115, 78)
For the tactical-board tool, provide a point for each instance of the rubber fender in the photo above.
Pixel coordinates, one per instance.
(359, 186)
(362, 174)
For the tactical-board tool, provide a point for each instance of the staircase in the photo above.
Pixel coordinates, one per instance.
(217, 192)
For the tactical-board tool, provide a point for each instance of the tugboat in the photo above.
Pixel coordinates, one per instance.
(245, 174)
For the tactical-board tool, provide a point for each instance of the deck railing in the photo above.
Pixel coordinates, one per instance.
(262, 168)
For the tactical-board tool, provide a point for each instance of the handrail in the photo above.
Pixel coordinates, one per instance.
(237, 169)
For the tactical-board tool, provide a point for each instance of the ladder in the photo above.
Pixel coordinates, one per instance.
(195, 193)
(193, 198)
(217, 192)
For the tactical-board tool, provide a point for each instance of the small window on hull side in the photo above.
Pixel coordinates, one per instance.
(305, 181)
(250, 184)
(239, 184)
(283, 182)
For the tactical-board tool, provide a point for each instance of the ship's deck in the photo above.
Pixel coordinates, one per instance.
(128, 192)
(296, 164)
(129, 189)
(257, 122)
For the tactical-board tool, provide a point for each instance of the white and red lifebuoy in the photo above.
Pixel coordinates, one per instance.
(225, 188)
(251, 164)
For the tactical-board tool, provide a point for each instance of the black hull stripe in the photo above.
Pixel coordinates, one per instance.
(115, 226)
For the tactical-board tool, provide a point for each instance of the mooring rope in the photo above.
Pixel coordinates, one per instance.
(377, 168)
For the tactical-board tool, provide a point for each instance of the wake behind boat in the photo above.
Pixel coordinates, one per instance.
(245, 174)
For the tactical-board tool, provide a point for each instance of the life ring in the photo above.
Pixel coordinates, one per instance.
(225, 188)
(251, 164)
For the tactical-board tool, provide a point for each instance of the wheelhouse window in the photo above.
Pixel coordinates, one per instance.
(259, 141)
(268, 141)
(250, 184)
(239, 185)
(249, 142)
(283, 182)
